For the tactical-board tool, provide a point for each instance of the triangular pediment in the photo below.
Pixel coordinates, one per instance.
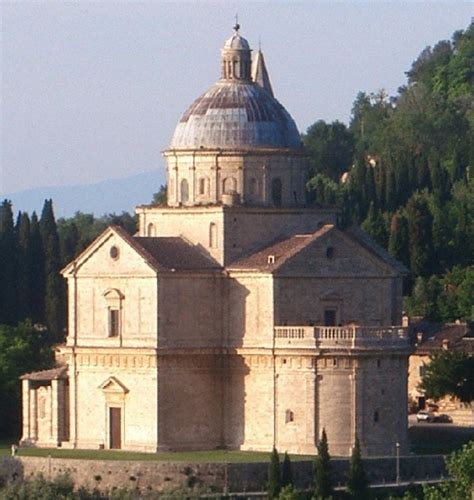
(114, 386)
(112, 251)
(333, 253)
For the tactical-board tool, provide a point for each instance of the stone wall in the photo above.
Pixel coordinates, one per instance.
(162, 476)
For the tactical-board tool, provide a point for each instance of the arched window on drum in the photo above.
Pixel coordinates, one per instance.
(229, 185)
(276, 192)
(150, 231)
(184, 191)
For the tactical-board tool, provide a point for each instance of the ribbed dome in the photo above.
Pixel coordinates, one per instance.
(233, 115)
(236, 42)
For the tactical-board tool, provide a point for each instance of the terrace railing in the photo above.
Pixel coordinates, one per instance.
(351, 336)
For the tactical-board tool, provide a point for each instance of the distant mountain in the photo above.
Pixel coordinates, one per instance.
(113, 195)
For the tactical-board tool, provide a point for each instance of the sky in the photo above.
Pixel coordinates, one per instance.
(93, 90)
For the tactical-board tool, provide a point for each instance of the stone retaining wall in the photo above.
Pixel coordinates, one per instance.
(163, 476)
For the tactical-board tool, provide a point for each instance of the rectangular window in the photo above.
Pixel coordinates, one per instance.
(329, 317)
(114, 322)
(422, 370)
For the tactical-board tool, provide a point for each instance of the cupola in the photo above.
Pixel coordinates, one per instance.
(235, 58)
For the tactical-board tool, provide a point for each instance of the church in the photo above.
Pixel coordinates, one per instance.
(237, 316)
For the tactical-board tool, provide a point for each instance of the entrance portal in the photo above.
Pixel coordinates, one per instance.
(115, 428)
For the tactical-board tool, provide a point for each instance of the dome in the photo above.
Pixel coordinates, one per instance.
(236, 115)
(236, 42)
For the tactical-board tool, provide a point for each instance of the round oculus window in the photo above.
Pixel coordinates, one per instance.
(114, 252)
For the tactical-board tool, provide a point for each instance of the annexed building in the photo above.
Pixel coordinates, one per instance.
(432, 338)
(236, 317)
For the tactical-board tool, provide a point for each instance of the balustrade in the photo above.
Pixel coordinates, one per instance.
(343, 336)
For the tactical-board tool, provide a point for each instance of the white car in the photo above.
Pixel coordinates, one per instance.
(424, 416)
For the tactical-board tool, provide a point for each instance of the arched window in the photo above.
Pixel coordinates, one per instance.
(254, 187)
(184, 191)
(203, 186)
(212, 235)
(113, 299)
(276, 192)
(229, 185)
(150, 230)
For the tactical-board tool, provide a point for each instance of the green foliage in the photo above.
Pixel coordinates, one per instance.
(460, 467)
(445, 298)
(449, 373)
(411, 184)
(274, 478)
(21, 350)
(160, 197)
(330, 147)
(322, 472)
(286, 471)
(288, 493)
(38, 488)
(55, 309)
(357, 485)
(8, 265)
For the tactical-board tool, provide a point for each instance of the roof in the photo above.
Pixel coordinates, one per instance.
(53, 374)
(273, 256)
(260, 73)
(174, 253)
(280, 251)
(236, 42)
(160, 253)
(432, 337)
(230, 115)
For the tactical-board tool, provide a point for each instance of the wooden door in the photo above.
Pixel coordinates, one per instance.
(115, 428)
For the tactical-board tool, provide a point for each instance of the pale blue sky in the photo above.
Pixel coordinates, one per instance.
(93, 90)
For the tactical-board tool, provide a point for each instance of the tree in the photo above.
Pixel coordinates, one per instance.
(25, 258)
(330, 148)
(21, 351)
(286, 471)
(322, 473)
(274, 481)
(450, 373)
(36, 273)
(161, 197)
(358, 484)
(398, 240)
(460, 467)
(54, 289)
(420, 234)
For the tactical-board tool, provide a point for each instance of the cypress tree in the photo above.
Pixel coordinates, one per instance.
(54, 294)
(22, 230)
(420, 223)
(36, 272)
(358, 484)
(274, 481)
(69, 243)
(398, 239)
(8, 266)
(322, 474)
(286, 471)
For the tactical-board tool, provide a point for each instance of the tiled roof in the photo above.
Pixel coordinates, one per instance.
(432, 337)
(175, 253)
(273, 256)
(169, 253)
(53, 374)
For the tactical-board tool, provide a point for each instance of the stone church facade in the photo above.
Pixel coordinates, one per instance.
(236, 317)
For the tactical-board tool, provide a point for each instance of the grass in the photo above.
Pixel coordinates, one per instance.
(435, 439)
(211, 456)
